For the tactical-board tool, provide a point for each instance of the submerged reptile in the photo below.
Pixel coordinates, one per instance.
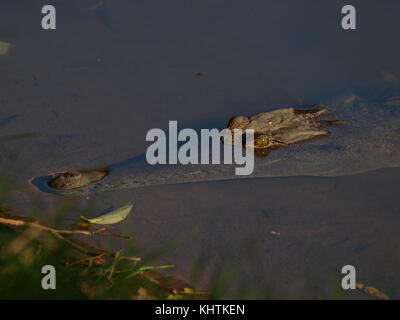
(77, 179)
(281, 127)
(369, 139)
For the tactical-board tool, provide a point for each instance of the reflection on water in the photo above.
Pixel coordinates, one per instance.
(92, 88)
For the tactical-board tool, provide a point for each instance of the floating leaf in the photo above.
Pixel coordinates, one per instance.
(112, 217)
(4, 47)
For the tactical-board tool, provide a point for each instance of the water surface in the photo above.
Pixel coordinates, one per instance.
(92, 89)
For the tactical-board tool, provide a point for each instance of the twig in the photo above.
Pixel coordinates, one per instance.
(21, 223)
(372, 291)
(71, 243)
(86, 259)
(125, 257)
(58, 234)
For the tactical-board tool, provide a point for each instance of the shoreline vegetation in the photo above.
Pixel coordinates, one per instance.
(82, 271)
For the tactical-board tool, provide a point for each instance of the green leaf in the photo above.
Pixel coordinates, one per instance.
(4, 47)
(113, 217)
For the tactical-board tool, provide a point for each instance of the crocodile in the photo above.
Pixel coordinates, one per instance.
(368, 139)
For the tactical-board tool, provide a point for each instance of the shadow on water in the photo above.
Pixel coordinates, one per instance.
(41, 183)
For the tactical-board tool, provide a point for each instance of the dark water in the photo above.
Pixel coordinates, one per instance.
(92, 88)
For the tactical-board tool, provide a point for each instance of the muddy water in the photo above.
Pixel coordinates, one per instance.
(92, 88)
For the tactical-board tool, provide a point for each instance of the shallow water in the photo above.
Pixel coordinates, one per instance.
(94, 87)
